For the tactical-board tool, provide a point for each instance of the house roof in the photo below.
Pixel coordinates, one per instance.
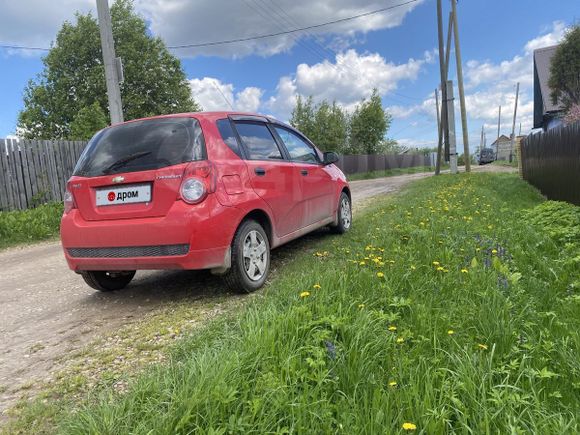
(542, 62)
(501, 139)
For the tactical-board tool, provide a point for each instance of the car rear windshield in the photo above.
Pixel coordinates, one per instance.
(142, 146)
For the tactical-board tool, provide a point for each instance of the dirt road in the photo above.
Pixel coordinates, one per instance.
(46, 311)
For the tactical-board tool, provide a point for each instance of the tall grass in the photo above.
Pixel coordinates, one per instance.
(443, 310)
(26, 226)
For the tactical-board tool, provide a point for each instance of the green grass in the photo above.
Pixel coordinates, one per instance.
(27, 226)
(449, 307)
(512, 164)
(389, 173)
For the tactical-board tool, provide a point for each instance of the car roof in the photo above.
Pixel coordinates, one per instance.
(212, 116)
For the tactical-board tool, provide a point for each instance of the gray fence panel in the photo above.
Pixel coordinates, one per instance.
(551, 162)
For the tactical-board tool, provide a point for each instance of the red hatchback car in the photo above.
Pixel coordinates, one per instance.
(197, 191)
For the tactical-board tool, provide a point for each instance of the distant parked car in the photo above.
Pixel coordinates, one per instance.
(197, 191)
(486, 155)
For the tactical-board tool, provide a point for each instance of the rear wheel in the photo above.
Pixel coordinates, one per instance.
(107, 281)
(250, 258)
(344, 215)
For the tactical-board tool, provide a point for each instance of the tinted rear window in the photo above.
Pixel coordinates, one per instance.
(142, 146)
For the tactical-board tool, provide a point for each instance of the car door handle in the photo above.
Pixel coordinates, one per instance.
(304, 172)
(260, 171)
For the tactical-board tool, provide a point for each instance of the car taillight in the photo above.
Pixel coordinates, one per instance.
(199, 180)
(69, 201)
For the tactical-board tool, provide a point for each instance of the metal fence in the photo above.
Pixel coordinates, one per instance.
(354, 164)
(35, 171)
(551, 162)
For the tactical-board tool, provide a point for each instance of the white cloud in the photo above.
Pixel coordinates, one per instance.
(249, 99)
(347, 80)
(491, 84)
(180, 21)
(212, 94)
(34, 23)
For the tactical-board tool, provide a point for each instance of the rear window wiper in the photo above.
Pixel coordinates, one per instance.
(122, 162)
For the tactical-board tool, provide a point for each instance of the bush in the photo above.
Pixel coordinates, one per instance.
(31, 225)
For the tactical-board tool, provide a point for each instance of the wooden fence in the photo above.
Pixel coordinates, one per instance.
(33, 172)
(551, 162)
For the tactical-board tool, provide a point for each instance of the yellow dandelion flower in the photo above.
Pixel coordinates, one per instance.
(362, 263)
(482, 346)
(392, 328)
(392, 384)
(304, 294)
(380, 275)
(436, 263)
(317, 286)
(413, 267)
(494, 251)
(361, 306)
(440, 269)
(450, 332)
(464, 271)
(409, 426)
(400, 340)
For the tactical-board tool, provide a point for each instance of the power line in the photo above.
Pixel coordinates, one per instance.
(286, 32)
(251, 38)
(22, 47)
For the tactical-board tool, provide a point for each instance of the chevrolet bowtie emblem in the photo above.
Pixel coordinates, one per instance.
(118, 179)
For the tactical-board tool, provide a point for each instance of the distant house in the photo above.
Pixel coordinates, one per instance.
(503, 147)
(546, 114)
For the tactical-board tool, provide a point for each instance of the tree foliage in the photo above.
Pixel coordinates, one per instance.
(565, 70)
(369, 125)
(331, 128)
(87, 122)
(74, 77)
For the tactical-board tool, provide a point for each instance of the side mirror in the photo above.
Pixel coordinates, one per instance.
(330, 157)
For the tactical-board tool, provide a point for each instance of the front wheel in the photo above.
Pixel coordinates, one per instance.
(108, 281)
(250, 258)
(344, 215)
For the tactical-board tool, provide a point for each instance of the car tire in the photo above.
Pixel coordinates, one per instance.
(344, 215)
(107, 281)
(250, 258)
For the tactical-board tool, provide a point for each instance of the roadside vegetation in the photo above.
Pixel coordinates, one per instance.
(389, 173)
(32, 225)
(457, 308)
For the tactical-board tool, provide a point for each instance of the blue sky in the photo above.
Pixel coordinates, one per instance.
(393, 51)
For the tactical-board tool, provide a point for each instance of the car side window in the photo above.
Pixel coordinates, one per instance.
(298, 148)
(229, 137)
(258, 140)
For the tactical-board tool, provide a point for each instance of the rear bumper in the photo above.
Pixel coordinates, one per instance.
(187, 237)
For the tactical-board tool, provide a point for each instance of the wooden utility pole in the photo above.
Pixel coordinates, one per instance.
(110, 62)
(460, 88)
(481, 141)
(440, 133)
(451, 127)
(443, 74)
(514, 123)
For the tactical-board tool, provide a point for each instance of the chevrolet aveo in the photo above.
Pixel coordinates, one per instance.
(197, 191)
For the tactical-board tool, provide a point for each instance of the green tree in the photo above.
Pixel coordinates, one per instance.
(303, 116)
(565, 70)
(331, 125)
(74, 78)
(368, 126)
(87, 122)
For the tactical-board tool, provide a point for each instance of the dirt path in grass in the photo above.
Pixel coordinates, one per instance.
(47, 311)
